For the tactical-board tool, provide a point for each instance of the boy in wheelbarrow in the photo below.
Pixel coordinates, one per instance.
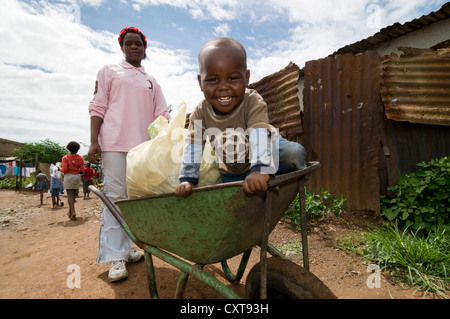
(235, 120)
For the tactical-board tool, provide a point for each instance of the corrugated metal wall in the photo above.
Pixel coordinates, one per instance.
(342, 110)
(415, 89)
(280, 91)
(415, 86)
(344, 125)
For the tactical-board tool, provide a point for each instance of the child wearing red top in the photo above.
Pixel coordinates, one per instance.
(87, 179)
(71, 165)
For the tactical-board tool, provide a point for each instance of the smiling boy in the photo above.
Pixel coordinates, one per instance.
(235, 120)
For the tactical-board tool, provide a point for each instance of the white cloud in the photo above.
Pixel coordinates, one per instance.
(93, 3)
(322, 27)
(49, 69)
(222, 30)
(176, 72)
(317, 28)
(49, 61)
(201, 9)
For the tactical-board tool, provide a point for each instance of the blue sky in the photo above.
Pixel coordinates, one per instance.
(52, 49)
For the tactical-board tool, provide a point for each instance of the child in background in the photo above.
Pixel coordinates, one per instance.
(55, 186)
(72, 166)
(87, 179)
(235, 120)
(41, 184)
(95, 176)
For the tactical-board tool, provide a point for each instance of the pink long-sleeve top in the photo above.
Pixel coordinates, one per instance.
(128, 100)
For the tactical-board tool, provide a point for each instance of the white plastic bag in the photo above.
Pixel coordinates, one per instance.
(153, 167)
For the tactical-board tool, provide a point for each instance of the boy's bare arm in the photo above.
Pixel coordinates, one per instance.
(255, 182)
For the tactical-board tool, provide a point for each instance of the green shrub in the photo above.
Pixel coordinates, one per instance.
(421, 199)
(316, 206)
(10, 182)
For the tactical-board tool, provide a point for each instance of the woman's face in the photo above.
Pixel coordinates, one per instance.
(133, 49)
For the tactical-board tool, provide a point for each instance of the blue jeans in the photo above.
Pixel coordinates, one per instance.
(291, 157)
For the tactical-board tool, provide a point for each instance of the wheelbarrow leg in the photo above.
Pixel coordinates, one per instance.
(301, 193)
(151, 280)
(264, 244)
(181, 285)
(195, 271)
(240, 272)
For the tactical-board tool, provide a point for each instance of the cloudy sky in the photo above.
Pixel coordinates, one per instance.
(51, 50)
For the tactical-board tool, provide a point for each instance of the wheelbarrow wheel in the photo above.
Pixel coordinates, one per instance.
(286, 280)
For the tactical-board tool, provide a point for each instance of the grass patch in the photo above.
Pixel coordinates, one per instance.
(352, 243)
(293, 245)
(420, 261)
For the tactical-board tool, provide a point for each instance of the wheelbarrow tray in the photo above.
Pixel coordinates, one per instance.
(214, 223)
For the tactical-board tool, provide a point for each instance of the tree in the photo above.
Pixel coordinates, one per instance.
(47, 151)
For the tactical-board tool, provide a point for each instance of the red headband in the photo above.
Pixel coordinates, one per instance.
(134, 30)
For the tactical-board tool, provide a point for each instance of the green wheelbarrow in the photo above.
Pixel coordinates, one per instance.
(216, 223)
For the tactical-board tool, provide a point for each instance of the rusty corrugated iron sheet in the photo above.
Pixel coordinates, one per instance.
(342, 111)
(396, 30)
(415, 86)
(280, 91)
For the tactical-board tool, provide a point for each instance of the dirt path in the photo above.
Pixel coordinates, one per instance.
(41, 248)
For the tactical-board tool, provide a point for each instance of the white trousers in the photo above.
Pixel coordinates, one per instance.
(114, 243)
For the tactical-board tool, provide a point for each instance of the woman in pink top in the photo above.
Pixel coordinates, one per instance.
(126, 100)
(71, 165)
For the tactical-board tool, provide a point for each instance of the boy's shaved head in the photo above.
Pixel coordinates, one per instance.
(223, 74)
(221, 42)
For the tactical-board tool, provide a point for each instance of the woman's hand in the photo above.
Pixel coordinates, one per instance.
(94, 149)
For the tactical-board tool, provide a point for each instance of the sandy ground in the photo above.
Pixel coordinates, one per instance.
(42, 253)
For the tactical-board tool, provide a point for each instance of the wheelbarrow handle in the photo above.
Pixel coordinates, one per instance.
(298, 175)
(115, 212)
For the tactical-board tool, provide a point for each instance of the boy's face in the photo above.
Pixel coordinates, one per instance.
(223, 77)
